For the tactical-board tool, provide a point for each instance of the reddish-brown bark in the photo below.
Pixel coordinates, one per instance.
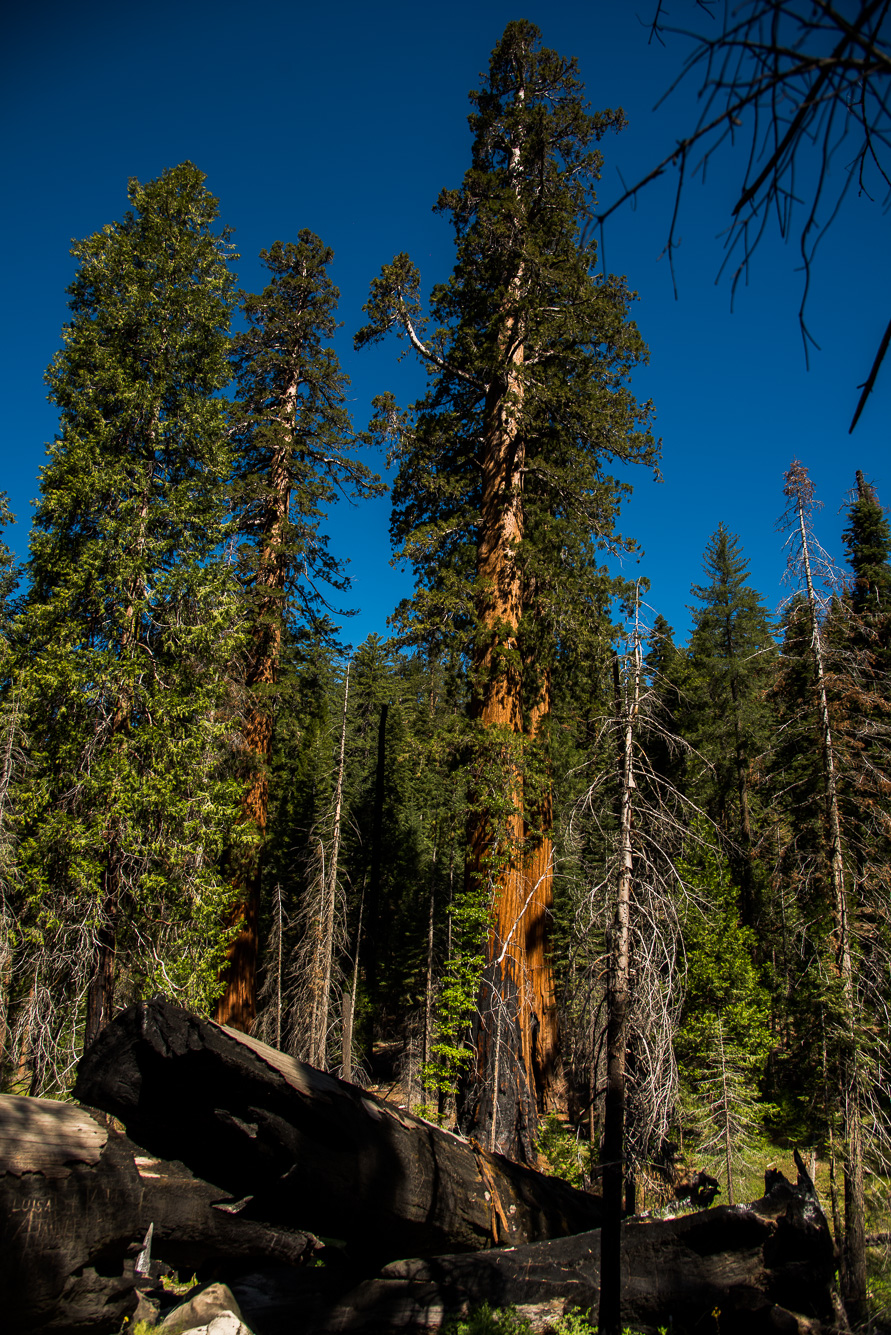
(515, 1034)
(237, 1007)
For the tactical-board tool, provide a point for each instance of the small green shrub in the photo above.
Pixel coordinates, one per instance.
(488, 1320)
(575, 1322)
(566, 1156)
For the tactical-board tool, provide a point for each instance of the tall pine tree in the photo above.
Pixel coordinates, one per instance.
(129, 627)
(868, 542)
(729, 664)
(503, 501)
(292, 438)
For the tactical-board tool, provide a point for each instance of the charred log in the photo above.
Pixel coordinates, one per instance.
(306, 1146)
(76, 1200)
(766, 1267)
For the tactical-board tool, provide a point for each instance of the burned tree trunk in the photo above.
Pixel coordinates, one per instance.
(76, 1200)
(304, 1145)
(767, 1267)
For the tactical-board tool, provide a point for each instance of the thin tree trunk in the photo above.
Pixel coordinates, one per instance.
(278, 967)
(317, 966)
(100, 990)
(854, 1250)
(428, 981)
(331, 896)
(725, 1108)
(349, 1013)
(374, 879)
(25, 1064)
(613, 1149)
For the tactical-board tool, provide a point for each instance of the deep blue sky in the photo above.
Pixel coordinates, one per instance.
(349, 120)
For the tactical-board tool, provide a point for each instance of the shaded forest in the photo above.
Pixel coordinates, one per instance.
(596, 898)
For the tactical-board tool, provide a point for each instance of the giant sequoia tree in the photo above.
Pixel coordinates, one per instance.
(503, 502)
(127, 632)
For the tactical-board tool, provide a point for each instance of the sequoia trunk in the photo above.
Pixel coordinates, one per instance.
(500, 1107)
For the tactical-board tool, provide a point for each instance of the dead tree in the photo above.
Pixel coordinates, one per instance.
(799, 491)
(635, 825)
(799, 82)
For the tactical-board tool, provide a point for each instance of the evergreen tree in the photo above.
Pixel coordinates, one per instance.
(503, 500)
(292, 438)
(730, 661)
(128, 629)
(868, 542)
(861, 683)
(723, 1038)
(663, 669)
(9, 575)
(11, 756)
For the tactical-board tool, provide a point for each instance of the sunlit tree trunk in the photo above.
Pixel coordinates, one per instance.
(539, 875)
(627, 694)
(330, 914)
(503, 1107)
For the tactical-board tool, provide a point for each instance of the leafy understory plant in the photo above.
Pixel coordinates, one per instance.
(486, 1320)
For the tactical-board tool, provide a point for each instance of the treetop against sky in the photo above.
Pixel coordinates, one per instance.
(349, 124)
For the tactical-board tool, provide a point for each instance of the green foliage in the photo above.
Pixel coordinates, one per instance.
(505, 497)
(515, 215)
(868, 542)
(457, 996)
(294, 446)
(724, 1037)
(721, 981)
(567, 1157)
(122, 650)
(487, 1320)
(721, 710)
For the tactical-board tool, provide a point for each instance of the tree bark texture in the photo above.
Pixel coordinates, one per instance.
(539, 904)
(613, 1148)
(854, 1280)
(303, 1144)
(237, 1007)
(514, 1035)
(763, 1268)
(76, 1200)
(500, 1106)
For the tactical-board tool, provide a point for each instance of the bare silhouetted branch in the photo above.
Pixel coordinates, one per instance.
(800, 82)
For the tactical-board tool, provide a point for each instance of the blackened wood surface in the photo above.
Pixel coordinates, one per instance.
(76, 1199)
(762, 1268)
(312, 1151)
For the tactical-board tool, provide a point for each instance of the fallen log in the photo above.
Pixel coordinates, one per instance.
(765, 1267)
(304, 1146)
(76, 1200)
